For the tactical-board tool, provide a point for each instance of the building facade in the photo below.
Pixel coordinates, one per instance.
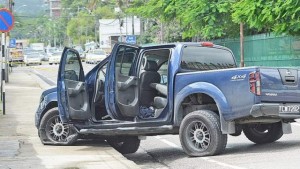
(112, 31)
(54, 8)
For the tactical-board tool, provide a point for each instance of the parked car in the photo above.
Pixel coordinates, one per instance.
(55, 58)
(43, 55)
(191, 89)
(32, 58)
(95, 56)
(81, 52)
(50, 51)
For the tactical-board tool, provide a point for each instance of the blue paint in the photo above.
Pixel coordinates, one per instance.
(229, 88)
(6, 20)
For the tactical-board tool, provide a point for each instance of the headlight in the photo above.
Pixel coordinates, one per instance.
(42, 102)
(42, 98)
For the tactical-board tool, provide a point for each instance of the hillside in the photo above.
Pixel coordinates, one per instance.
(28, 7)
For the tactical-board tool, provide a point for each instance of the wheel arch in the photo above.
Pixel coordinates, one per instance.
(49, 106)
(207, 89)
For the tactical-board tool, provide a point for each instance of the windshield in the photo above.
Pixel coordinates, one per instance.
(99, 52)
(51, 50)
(33, 55)
(57, 54)
(206, 58)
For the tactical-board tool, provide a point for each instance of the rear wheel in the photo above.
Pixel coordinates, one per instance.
(125, 144)
(53, 131)
(263, 133)
(200, 134)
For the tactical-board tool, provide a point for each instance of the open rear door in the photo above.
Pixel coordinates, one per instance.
(122, 84)
(71, 88)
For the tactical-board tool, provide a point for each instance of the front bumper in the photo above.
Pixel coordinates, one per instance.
(284, 111)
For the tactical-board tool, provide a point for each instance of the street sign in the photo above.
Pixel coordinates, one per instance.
(6, 20)
(12, 43)
(130, 39)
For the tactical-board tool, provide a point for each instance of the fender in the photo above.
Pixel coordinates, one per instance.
(48, 100)
(210, 90)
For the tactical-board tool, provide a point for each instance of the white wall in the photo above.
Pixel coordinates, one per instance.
(111, 27)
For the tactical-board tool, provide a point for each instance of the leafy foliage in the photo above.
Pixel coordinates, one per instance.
(83, 18)
(275, 16)
(80, 28)
(166, 20)
(206, 19)
(221, 18)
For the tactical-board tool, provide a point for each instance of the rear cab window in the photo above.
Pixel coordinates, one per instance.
(199, 58)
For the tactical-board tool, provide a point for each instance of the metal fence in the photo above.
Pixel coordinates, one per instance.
(266, 50)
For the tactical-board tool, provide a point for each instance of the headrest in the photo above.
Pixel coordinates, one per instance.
(151, 66)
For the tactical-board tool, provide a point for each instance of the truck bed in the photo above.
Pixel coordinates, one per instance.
(245, 87)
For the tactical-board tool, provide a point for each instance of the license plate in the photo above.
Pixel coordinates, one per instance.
(289, 109)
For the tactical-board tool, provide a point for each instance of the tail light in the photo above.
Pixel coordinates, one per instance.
(255, 85)
(207, 44)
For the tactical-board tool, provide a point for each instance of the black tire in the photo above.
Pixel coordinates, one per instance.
(50, 63)
(200, 134)
(263, 133)
(125, 144)
(53, 131)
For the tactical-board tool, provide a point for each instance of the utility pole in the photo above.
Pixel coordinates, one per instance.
(10, 7)
(3, 73)
(132, 19)
(161, 32)
(132, 24)
(242, 64)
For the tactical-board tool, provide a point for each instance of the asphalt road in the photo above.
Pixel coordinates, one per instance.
(49, 72)
(165, 151)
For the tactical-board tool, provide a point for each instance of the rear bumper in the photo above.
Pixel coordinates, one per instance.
(284, 111)
(33, 62)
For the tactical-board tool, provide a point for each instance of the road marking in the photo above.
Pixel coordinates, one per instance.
(45, 79)
(203, 158)
(21, 87)
(221, 163)
(168, 142)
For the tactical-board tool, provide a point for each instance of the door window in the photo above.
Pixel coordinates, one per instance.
(72, 67)
(163, 71)
(125, 59)
(197, 58)
(102, 73)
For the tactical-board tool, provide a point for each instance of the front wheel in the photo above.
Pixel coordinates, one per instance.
(263, 133)
(200, 134)
(53, 131)
(125, 144)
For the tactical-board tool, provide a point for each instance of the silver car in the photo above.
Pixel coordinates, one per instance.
(32, 58)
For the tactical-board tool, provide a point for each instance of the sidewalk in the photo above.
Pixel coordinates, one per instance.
(20, 146)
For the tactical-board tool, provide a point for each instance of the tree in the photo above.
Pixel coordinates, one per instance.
(80, 28)
(195, 18)
(160, 22)
(81, 18)
(206, 19)
(104, 12)
(269, 16)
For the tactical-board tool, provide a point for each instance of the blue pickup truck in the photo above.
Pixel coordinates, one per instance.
(191, 89)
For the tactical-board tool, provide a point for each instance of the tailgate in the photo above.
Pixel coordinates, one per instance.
(280, 85)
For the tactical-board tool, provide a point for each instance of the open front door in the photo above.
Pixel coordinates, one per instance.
(71, 88)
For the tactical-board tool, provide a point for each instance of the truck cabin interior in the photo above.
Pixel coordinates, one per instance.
(147, 97)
